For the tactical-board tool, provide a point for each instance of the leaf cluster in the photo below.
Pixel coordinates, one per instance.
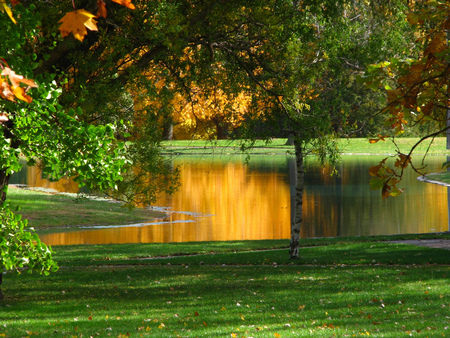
(21, 247)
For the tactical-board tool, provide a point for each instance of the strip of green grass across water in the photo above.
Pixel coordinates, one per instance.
(278, 146)
(51, 210)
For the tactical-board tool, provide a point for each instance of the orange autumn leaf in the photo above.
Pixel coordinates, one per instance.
(76, 23)
(16, 79)
(12, 89)
(5, 91)
(101, 9)
(126, 3)
(380, 138)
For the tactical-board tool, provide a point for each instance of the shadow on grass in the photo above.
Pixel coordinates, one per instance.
(205, 300)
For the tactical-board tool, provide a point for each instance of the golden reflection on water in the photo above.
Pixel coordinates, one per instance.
(233, 204)
(34, 179)
(229, 200)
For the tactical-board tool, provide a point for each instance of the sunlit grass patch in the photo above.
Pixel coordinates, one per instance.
(167, 301)
(44, 210)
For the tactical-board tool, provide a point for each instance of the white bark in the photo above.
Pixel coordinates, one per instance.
(296, 223)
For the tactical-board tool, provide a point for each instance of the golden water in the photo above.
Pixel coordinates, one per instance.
(229, 200)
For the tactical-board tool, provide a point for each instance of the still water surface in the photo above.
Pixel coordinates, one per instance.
(225, 199)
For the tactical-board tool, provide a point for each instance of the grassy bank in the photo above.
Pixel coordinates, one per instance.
(345, 288)
(278, 146)
(49, 210)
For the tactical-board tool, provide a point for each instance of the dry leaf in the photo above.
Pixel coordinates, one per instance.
(3, 117)
(12, 90)
(101, 9)
(76, 23)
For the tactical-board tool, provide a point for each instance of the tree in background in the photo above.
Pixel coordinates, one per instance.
(417, 90)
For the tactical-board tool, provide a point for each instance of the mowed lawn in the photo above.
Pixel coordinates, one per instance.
(340, 287)
(343, 288)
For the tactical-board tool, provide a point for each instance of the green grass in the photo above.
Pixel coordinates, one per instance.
(349, 287)
(443, 177)
(277, 146)
(45, 210)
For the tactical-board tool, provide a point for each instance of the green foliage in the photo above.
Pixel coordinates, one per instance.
(416, 89)
(46, 134)
(21, 247)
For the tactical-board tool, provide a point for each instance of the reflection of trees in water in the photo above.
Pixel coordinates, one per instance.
(32, 176)
(345, 206)
(253, 202)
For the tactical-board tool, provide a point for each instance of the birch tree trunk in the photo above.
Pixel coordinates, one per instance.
(296, 222)
(4, 179)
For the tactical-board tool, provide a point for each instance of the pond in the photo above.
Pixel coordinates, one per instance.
(223, 198)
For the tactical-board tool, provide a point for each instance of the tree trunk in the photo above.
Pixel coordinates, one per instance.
(296, 223)
(290, 140)
(221, 127)
(4, 179)
(168, 130)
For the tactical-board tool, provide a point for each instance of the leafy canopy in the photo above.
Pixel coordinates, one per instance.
(417, 89)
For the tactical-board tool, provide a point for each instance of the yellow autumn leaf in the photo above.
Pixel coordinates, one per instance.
(21, 94)
(277, 335)
(76, 23)
(5, 8)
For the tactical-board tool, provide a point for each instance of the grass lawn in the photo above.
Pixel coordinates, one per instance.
(340, 287)
(45, 210)
(278, 146)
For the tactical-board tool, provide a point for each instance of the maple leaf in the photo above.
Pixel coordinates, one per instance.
(126, 3)
(76, 22)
